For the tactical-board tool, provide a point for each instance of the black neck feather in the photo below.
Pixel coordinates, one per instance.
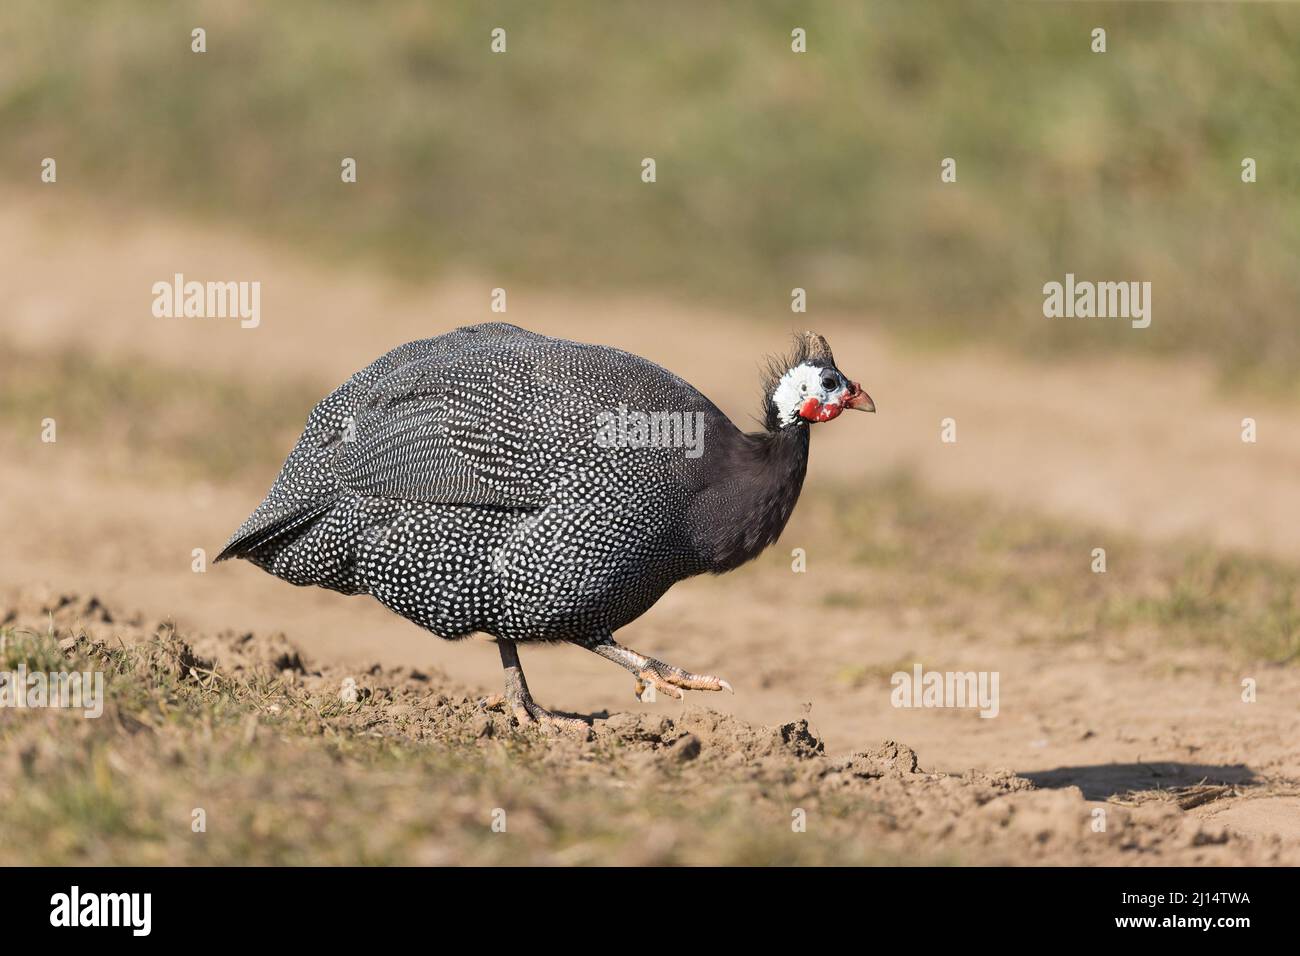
(759, 479)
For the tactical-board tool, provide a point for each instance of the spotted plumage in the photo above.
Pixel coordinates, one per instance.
(462, 482)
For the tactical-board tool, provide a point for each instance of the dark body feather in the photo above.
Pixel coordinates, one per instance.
(458, 479)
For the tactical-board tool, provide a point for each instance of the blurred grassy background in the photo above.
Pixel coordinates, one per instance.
(775, 170)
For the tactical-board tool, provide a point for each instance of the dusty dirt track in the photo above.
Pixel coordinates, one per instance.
(1147, 449)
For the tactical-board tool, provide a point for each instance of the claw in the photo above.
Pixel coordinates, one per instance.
(659, 682)
(673, 681)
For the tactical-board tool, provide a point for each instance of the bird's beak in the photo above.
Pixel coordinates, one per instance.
(859, 399)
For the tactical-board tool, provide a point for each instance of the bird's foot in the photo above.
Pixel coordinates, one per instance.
(653, 673)
(527, 712)
(519, 702)
(672, 680)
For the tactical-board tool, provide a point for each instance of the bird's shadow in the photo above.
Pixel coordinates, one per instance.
(1103, 781)
(588, 719)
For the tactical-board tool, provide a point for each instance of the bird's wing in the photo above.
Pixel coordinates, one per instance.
(447, 429)
(489, 415)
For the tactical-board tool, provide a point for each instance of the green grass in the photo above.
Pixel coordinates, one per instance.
(974, 560)
(193, 423)
(1232, 600)
(775, 170)
(29, 649)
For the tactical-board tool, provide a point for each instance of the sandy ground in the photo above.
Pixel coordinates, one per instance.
(1149, 449)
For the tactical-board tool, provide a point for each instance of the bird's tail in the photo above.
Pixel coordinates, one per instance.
(269, 522)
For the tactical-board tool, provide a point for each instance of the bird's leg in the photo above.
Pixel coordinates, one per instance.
(664, 677)
(517, 698)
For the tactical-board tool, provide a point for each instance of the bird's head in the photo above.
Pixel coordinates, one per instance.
(807, 387)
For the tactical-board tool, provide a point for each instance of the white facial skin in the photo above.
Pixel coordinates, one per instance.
(804, 382)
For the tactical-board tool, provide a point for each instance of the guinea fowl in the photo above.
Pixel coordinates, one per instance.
(537, 490)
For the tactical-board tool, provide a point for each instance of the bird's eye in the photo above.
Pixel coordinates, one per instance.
(830, 382)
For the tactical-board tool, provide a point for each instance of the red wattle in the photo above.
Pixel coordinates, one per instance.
(814, 411)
